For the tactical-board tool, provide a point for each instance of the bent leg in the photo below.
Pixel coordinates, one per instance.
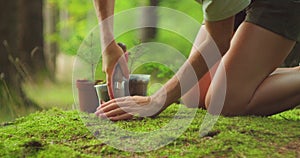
(277, 93)
(201, 87)
(286, 70)
(254, 54)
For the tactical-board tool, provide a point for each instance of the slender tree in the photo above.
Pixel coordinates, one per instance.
(149, 18)
(51, 17)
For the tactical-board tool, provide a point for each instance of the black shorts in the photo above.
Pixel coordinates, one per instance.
(279, 16)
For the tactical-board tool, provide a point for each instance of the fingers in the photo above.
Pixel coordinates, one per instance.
(124, 67)
(115, 113)
(129, 101)
(119, 71)
(112, 113)
(110, 85)
(113, 101)
(125, 116)
(110, 108)
(123, 108)
(126, 56)
(112, 105)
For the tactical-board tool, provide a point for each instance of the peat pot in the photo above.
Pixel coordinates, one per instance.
(88, 100)
(138, 84)
(102, 92)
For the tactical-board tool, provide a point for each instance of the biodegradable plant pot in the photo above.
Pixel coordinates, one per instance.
(138, 84)
(88, 100)
(102, 92)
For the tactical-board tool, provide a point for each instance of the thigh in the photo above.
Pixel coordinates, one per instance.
(202, 87)
(254, 54)
(279, 16)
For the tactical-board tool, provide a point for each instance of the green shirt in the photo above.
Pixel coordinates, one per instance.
(215, 10)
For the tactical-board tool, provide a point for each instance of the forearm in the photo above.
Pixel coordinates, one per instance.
(105, 11)
(189, 74)
(211, 43)
(180, 83)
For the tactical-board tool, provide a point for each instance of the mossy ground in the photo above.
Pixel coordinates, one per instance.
(58, 133)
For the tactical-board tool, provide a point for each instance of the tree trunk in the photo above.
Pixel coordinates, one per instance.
(13, 101)
(149, 18)
(30, 35)
(8, 42)
(51, 15)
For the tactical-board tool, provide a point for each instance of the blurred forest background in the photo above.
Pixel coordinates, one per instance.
(39, 41)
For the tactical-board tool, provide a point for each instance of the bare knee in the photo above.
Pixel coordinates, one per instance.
(193, 102)
(297, 68)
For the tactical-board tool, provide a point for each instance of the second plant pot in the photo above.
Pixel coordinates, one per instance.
(137, 85)
(102, 92)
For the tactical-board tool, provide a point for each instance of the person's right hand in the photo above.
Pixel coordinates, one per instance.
(112, 56)
(126, 107)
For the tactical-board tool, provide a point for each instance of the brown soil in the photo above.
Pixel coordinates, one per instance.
(292, 146)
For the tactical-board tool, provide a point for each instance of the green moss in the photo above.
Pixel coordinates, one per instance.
(58, 133)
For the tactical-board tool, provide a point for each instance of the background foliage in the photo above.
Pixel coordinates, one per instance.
(77, 19)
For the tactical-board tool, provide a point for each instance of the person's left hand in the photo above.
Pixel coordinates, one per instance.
(127, 107)
(112, 56)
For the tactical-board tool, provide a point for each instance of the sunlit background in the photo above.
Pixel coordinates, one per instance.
(64, 24)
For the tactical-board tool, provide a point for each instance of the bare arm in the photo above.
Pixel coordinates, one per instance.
(221, 33)
(112, 54)
(105, 11)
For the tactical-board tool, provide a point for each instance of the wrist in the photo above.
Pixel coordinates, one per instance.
(110, 46)
(159, 101)
(108, 41)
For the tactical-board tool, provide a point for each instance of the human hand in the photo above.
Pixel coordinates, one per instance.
(114, 56)
(127, 107)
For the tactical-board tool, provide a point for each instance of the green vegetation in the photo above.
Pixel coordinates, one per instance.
(78, 19)
(57, 133)
(61, 131)
(48, 95)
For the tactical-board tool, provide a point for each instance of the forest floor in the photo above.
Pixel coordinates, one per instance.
(59, 133)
